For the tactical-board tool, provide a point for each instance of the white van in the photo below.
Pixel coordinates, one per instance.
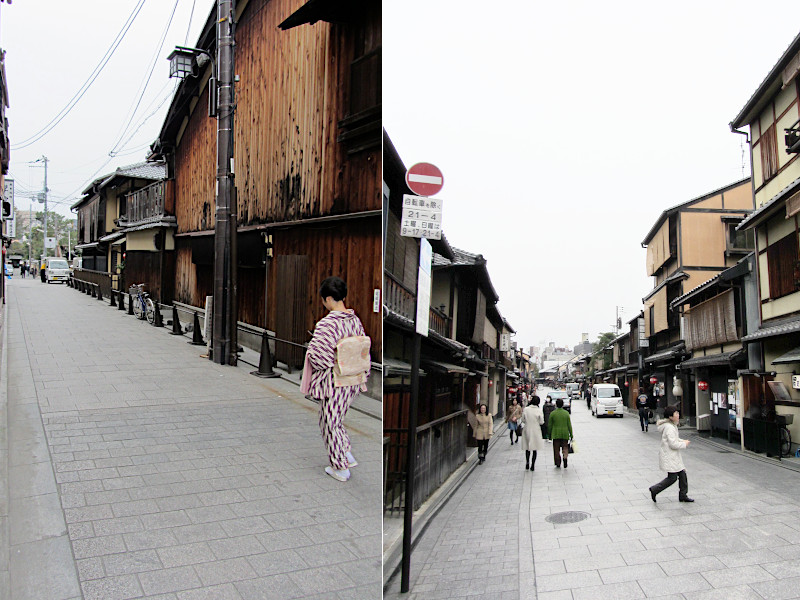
(56, 269)
(574, 390)
(607, 400)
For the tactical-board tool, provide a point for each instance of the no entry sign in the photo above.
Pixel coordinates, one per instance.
(424, 179)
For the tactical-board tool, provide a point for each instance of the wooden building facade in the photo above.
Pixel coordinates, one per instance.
(307, 161)
(125, 227)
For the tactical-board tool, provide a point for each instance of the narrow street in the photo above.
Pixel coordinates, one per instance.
(137, 469)
(740, 539)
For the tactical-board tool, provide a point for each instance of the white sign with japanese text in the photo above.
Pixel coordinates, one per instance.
(421, 218)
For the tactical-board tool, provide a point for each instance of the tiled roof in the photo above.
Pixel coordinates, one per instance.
(791, 325)
(767, 206)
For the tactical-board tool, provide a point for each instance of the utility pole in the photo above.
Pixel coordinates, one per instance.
(225, 308)
(30, 230)
(44, 160)
(44, 249)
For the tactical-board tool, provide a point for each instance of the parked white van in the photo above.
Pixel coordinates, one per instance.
(607, 400)
(56, 269)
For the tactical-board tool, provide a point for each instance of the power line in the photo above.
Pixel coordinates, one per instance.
(86, 85)
(156, 56)
(189, 28)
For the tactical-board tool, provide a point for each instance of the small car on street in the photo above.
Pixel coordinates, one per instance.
(56, 269)
(556, 394)
(607, 400)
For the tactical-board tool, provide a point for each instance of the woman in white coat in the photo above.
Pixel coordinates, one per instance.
(669, 456)
(532, 420)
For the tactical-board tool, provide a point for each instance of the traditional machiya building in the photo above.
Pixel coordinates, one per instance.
(125, 230)
(307, 168)
(771, 121)
(688, 244)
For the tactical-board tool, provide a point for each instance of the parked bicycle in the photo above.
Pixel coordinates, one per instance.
(143, 306)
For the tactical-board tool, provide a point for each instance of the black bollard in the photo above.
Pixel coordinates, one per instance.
(130, 304)
(113, 301)
(197, 335)
(158, 321)
(265, 360)
(176, 322)
(99, 292)
(121, 305)
(94, 290)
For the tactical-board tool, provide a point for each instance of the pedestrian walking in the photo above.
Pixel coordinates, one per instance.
(559, 428)
(483, 431)
(513, 415)
(22, 268)
(644, 411)
(669, 456)
(334, 400)
(548, 408)
(41, 271)
(587, 395)
(532, 442)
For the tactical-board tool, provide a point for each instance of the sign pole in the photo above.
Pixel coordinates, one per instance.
(411, 463)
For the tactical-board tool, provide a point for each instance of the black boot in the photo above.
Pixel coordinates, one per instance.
(533, 459)
(527, 458)
(511, 436)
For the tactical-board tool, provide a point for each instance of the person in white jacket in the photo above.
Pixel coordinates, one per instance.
(669, 456)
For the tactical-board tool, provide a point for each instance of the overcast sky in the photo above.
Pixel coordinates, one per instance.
(52, 48)
(564, 129)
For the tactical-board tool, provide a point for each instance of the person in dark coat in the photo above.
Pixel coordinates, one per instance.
(644, 410)
(546, 410)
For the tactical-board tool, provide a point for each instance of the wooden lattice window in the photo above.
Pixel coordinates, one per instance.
(769, 153)
(782, 257)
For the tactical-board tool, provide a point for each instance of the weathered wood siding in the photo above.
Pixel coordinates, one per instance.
(335, 249)
(294, 89)
(195, 170)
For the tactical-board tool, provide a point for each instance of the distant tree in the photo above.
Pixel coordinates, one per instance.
(603, 340)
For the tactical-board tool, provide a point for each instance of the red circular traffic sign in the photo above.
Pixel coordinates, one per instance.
(424, 179)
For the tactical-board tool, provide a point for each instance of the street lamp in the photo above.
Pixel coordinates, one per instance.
(182, 61)
(224, 318)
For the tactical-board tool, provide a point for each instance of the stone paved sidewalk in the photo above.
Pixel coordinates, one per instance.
(739, 540)
(144, 470)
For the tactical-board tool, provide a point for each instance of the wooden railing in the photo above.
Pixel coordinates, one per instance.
(146, 204)
(441, 449)
(440, 323)
(397, 297)
(106, 281)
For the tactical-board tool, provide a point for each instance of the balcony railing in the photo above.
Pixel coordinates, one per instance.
(144, 205)
(397, 297)
(440, 322)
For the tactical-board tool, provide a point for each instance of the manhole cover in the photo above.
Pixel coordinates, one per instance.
(570, 516)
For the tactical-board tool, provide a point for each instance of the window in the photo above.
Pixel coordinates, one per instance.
(782, 266)
(769, 153)
(740, 240)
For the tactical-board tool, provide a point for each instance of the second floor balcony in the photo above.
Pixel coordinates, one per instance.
(143, 206)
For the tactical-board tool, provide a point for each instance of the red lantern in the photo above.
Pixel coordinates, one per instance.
(627, 384)
(702, 385)
(654, 380)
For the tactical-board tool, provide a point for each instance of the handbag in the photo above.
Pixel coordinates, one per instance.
(573, 448)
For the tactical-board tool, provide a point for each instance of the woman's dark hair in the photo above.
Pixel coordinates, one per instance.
(335, 287)
(560, 402)
(671, 410)
(535, 400)
(484, 406)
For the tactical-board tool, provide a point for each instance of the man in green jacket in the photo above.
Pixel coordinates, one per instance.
(559, 427)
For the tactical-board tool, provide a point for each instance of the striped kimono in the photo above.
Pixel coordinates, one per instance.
(334, 402)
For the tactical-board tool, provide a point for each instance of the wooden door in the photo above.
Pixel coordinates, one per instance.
(291, 308)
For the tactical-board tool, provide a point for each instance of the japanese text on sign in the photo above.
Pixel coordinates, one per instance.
(421, 217)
